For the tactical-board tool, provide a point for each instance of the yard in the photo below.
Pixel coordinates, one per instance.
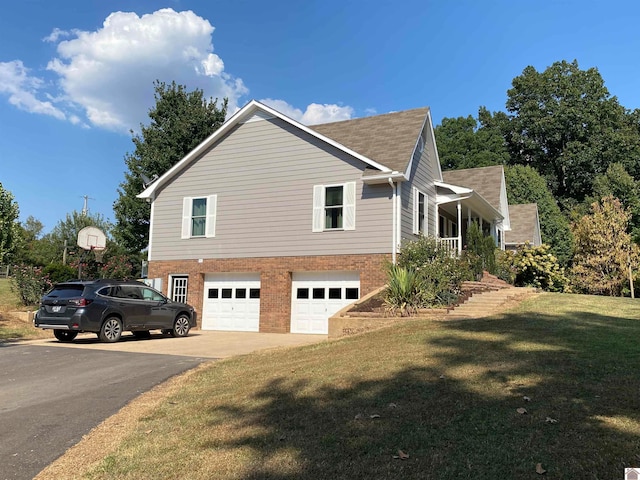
(12, 326)
(554, 382)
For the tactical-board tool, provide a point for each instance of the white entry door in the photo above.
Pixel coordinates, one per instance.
(231, 302)
(318, 295)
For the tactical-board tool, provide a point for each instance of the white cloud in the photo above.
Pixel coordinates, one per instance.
(104, 78)
(314, 113)
(22, 89)
(108, 74)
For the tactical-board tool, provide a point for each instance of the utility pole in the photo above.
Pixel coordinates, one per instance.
(85, 207)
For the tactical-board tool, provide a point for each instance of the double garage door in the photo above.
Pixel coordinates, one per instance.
(232, 301)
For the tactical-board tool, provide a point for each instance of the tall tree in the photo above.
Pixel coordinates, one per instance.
(617, 182)
(604, 250)
(564, 122)
(180, 120)
(9, 212)
(465, 142)
(526, 185)
(28, 244)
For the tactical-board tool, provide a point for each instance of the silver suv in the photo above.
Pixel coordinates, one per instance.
(109, 307)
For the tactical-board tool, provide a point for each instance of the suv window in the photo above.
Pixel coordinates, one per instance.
(149, 294)
(66, 291)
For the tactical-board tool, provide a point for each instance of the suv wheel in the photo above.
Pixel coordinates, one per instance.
(65, 335)
(111, 330)
(181, 326)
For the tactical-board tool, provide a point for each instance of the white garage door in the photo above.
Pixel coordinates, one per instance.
(318, 295)
(231, 302)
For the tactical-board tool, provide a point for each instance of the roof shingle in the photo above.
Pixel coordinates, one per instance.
(388, 139)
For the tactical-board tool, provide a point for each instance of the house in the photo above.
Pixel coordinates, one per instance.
(485, 183)
(525, 226)
(273, 226)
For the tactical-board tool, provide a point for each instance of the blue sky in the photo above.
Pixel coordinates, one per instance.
(77, 75)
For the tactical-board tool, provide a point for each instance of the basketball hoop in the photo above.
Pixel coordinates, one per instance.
(91, 239)
(99, 253)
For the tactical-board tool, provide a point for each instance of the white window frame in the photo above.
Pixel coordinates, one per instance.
(210, 221)
(416, 213)
(348, 207)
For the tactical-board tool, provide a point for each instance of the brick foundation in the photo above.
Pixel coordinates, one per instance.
(275, 278)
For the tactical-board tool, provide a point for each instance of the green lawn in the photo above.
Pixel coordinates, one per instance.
(445, 393)
(12, 327)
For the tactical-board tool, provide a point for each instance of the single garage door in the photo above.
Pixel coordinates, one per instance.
(318, 295)
(231, 302)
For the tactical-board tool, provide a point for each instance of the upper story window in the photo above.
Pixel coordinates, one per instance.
(420, 204)
(199, 216)
(334, 207)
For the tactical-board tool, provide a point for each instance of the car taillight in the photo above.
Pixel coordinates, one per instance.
(80, 302)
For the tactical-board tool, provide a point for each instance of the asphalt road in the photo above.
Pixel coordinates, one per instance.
(51, 396)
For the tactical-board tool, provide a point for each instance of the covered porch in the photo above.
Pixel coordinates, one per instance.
(456, 209)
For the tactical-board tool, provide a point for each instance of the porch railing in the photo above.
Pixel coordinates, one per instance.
(449, 244)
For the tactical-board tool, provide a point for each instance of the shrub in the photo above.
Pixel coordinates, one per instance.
(505, 268)
(480, 252)
(58, 272)
(538, 267)
(426, 276)
(403, 293)
(30, 283)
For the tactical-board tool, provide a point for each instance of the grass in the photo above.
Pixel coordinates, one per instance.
(12, 327)
(445, 393)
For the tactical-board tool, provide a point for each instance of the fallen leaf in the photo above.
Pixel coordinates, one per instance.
(401, 455)
(442, 377)
(375, 415)
(358, 416)
(522, 411)
(392, 405)
(540, 470)
(526, 399)
(148, 432)
(551, 420)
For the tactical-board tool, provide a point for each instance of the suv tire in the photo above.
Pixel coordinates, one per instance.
(181, 326)
(65, 335)
(111, 330)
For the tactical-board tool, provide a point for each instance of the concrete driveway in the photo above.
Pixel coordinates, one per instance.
(199, 343)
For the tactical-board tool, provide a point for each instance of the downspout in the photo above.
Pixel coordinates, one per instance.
(393, 222)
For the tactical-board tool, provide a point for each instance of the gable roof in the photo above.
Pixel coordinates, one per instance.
(484, 180)
(389, 139)
(524, 222)
(378, 139)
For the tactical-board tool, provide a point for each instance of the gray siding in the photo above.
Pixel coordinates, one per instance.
(422, 176)
(263, 173)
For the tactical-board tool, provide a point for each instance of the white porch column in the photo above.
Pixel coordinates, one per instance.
(459, 227)
(437, 223)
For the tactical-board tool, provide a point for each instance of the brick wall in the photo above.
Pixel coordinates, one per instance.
(275, 278)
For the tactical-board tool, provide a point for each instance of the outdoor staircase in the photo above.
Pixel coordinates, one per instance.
(486, 297)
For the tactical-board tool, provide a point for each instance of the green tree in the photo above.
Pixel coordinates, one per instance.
(603, 249)
(29, 246)
(9, 212)
(180, 120)
(564, 122)
(526, 185)
(617, 182)
(465, 142)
